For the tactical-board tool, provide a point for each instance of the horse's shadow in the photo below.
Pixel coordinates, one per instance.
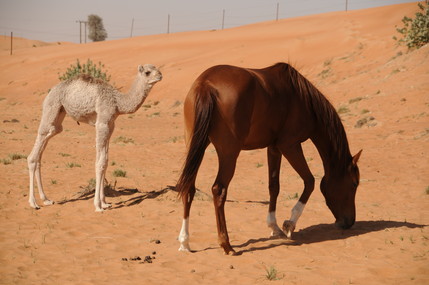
(324, 232)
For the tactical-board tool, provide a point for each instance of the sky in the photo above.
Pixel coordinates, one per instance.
(56, 20)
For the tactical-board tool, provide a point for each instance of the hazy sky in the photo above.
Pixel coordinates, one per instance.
(55, 20)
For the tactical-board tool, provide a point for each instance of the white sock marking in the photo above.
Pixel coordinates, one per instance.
(184, 236)
(297, 211)
(272, 223)
(271, 219)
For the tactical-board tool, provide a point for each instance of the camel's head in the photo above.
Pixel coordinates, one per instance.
(149, 73)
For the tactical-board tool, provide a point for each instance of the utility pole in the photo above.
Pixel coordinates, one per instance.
(80, 29)
(85, 30)
(347, 5)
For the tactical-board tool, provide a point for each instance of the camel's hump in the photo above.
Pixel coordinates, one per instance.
(88, 78)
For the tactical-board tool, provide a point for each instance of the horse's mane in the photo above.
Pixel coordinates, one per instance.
(325, 115)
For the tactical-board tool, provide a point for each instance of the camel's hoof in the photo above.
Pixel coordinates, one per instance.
(99, 210)
(48, 202)
(34, 205)
(288, 228)
(106, 205)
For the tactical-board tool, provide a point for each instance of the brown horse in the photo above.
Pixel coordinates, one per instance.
(278, 108)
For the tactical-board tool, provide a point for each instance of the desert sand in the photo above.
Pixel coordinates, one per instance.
(380, 89)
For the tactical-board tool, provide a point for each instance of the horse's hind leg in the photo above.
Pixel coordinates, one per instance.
(227, 163)
(296, 158)
(50, 125)
(274, 162)
(184, 231)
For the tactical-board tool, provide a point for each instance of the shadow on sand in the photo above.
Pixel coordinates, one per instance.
(324, 232)
(110, 191)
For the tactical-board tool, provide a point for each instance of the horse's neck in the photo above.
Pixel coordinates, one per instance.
(334, 154)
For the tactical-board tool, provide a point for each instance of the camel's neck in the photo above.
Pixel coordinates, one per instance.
(130, 102)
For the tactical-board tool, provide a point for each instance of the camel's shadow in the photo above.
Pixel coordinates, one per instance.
(324, 232)
(110, 191)
(143, 196)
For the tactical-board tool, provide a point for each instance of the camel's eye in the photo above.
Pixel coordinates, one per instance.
(147, 73)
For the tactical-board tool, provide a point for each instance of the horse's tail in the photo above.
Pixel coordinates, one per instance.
(199, 137)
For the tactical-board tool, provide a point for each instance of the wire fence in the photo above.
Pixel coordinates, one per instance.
(216, 19)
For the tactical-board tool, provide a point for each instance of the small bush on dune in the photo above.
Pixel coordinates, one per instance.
(89, 68)
(415, 31)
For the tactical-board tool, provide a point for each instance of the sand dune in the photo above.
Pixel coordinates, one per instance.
(383, 94)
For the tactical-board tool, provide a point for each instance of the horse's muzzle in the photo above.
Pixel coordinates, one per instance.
(345, 223)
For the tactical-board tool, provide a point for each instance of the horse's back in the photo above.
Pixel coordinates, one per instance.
(249, 107)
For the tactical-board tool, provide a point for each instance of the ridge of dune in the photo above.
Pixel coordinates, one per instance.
(22, 43)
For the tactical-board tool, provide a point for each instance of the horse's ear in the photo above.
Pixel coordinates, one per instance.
(356, 158)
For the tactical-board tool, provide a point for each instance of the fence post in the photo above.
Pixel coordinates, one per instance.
(277, 13)
(11, 42)
(168, 24)
(223, 18)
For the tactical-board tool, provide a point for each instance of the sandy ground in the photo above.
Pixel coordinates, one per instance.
(381, 90)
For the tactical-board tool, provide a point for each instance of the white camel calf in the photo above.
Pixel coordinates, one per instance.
(92, 101)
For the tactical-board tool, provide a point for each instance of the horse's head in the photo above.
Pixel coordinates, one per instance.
(340, 192)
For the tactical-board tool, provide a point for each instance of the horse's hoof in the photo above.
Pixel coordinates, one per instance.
(278, 234)
(230, 251)
(288, 228)
(184, 248)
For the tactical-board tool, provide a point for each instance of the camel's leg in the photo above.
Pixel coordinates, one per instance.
(274, 162)
(50, 126)
(296, 158)
(103, 133)
(227, 163)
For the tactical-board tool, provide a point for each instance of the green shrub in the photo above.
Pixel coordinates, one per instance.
(119, 173)
(72, 165)
(16, 156)
(272, 274)
(415, 31)
(89, 68)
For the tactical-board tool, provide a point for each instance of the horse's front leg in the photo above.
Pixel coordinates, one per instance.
(296, 158)
(274, 161)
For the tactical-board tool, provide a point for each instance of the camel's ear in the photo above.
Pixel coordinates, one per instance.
(141, 68)
(356, 158)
